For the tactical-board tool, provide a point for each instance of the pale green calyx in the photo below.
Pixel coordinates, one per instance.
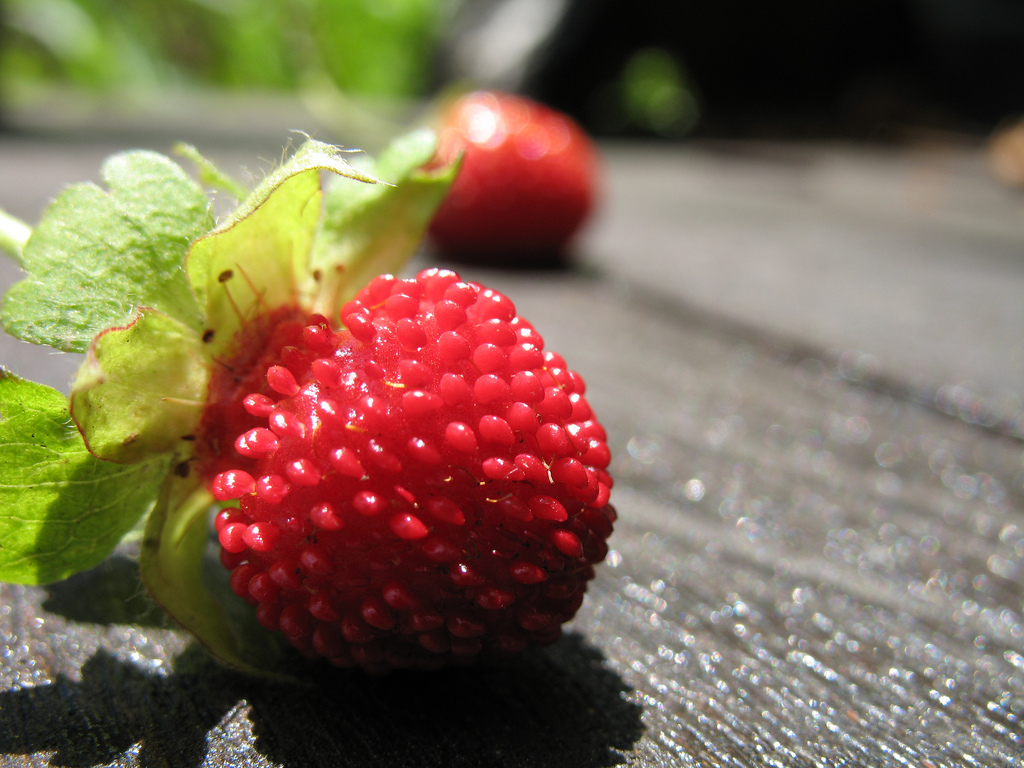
(141, 389)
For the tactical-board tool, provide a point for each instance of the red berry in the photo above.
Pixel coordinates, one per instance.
(400, 505)
(527, 182)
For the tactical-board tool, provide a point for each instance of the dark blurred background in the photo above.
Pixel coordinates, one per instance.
(872, 69)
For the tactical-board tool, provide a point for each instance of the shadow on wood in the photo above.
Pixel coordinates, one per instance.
(556, 706)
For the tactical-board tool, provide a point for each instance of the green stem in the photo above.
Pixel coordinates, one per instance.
(14, 233)
(172, 563)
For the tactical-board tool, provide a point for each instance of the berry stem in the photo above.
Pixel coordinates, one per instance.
(14, 233)
(172, 564)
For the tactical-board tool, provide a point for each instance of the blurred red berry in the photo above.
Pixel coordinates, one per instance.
(527, 183)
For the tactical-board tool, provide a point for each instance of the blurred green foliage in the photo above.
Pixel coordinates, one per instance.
(651, 95)
(656, 95)
(365, 47)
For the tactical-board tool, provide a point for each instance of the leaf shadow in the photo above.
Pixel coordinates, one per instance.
(109, 593)
(555, 706)
(95, 720)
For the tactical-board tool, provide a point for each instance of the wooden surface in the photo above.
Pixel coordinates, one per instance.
(808, 360)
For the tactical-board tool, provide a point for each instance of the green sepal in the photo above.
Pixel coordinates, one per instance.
(96, 255)
(209, 173)
(14, 233)
(373, 230)
(62, 510)
(141, 389)
(256, 260)
(173, 565)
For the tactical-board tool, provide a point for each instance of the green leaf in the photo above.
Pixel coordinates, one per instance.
(62, 510)
(172, 562)
(97, 256)
(369, 231)
(141, 389)
(255, 261)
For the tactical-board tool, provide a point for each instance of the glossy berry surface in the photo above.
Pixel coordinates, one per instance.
(426, 484)
(527, 183)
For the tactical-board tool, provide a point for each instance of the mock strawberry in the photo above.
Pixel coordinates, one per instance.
(527, 183)
(411, 482)
(422, 485)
